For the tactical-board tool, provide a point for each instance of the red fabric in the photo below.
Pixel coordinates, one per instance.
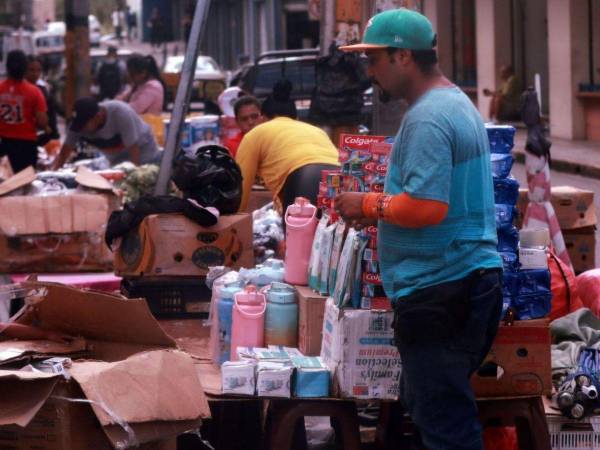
(233, 143)
(564, 286)
(588, 285)
(19, 100)
(500, 438)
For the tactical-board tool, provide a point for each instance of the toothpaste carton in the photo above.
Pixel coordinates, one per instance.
(274, 379)
(381, 303)
(353, 146)
(312, 377)
(239, 377)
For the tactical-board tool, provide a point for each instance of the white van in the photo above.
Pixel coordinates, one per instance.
(50, 45)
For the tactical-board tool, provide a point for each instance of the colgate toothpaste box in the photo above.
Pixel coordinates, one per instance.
(372, 290)
(357, 146)
(371, 278)
(380, 303)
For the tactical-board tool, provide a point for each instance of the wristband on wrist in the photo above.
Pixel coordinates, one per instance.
(375, 206)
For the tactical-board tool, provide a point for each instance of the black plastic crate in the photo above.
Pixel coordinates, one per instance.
(170, 297)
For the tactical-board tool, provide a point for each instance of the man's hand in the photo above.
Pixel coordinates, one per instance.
(349, 206)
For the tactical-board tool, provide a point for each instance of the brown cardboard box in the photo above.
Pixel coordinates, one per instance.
(173, 245)
(581, 245)
(311, 310)
(73, 213)
(135, 386)
(259, 197)
(574, 207)
(518, 363)
(76, 252)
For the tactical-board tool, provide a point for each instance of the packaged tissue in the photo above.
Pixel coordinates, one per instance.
(239, 377)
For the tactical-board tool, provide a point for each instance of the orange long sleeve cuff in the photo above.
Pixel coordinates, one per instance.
(404, 210)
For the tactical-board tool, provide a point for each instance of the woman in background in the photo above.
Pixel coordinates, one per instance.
(145, 92)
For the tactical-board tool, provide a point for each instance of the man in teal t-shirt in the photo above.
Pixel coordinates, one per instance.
(437, 237)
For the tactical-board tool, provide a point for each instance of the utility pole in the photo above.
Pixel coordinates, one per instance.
(77, 52)
(184, 89)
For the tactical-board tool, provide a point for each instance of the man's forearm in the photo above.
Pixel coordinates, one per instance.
(62, 157)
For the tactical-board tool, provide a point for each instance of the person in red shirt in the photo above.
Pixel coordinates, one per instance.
(247, 115)
(22, 111)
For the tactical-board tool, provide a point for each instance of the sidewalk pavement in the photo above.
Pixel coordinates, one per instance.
(578, 157)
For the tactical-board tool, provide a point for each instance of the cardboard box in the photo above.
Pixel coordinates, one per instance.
(135, 387)
(581, 245)
(358, 347)
(311, 309)
(259, 197)
(574, 207)
(73, 213)
(52, 253)
(173, 245)
(519, 362)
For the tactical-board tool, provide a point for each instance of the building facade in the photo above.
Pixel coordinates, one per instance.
(556, 40)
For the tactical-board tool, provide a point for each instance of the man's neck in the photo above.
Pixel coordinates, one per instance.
(427, 83)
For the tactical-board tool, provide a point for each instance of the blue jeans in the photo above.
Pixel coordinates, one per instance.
(441, 347)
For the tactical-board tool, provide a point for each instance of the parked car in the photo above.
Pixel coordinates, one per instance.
(93, 24)
(50, 45)
(209, 79)
(298, 66)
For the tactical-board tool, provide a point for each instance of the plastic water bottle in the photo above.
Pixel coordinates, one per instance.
(225, 314)
(248, 320)
(281, 322)
(301, 224)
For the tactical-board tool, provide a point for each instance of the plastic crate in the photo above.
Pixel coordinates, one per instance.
(569, 434)
(171, 297)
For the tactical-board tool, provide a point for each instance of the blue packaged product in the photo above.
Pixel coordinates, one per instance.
(533, 306)
(505, 215)
(508, 240)
(534, 281)
(501, 164)
(510, 261)
(506, 303)
(506, 191)
(501, 137)
(510, 284)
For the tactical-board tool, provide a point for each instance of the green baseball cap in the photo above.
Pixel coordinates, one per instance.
(400, 28)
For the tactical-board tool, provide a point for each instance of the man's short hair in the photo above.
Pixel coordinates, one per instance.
(16, 64)
(245, 100)
(426, 60)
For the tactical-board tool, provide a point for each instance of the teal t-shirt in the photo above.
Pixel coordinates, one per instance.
(441, 152)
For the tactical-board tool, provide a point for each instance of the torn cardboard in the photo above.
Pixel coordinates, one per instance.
(518, 363)
(143, 391)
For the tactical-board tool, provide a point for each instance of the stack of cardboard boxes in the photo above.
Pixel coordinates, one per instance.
(577, 217)
(55, 232)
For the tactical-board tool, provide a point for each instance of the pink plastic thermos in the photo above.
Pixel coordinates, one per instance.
(301, 223)
(248, 321)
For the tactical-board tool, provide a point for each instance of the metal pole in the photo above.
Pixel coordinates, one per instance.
(327, 26)
(181, 105)
(77, 52)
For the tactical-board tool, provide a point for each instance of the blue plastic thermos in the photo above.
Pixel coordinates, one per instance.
(281, 321)
(272, 270)
(225, 308)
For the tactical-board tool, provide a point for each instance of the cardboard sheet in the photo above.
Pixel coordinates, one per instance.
(146, 387)
(23, 394)
(11, 351)
(20, 179)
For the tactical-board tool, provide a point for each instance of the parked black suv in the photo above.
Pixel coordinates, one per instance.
(298, 66)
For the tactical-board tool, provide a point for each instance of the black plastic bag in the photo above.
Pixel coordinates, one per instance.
(211, 177)
(341, 79)
(537, 144)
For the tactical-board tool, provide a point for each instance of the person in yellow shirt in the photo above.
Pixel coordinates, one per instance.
(286, 153)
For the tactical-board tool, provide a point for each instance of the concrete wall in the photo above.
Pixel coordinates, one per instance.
(493, 35)
(568, 66)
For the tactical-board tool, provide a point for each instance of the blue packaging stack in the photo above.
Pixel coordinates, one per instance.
(527, 292)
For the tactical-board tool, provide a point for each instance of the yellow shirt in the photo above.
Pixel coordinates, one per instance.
(273, 150)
